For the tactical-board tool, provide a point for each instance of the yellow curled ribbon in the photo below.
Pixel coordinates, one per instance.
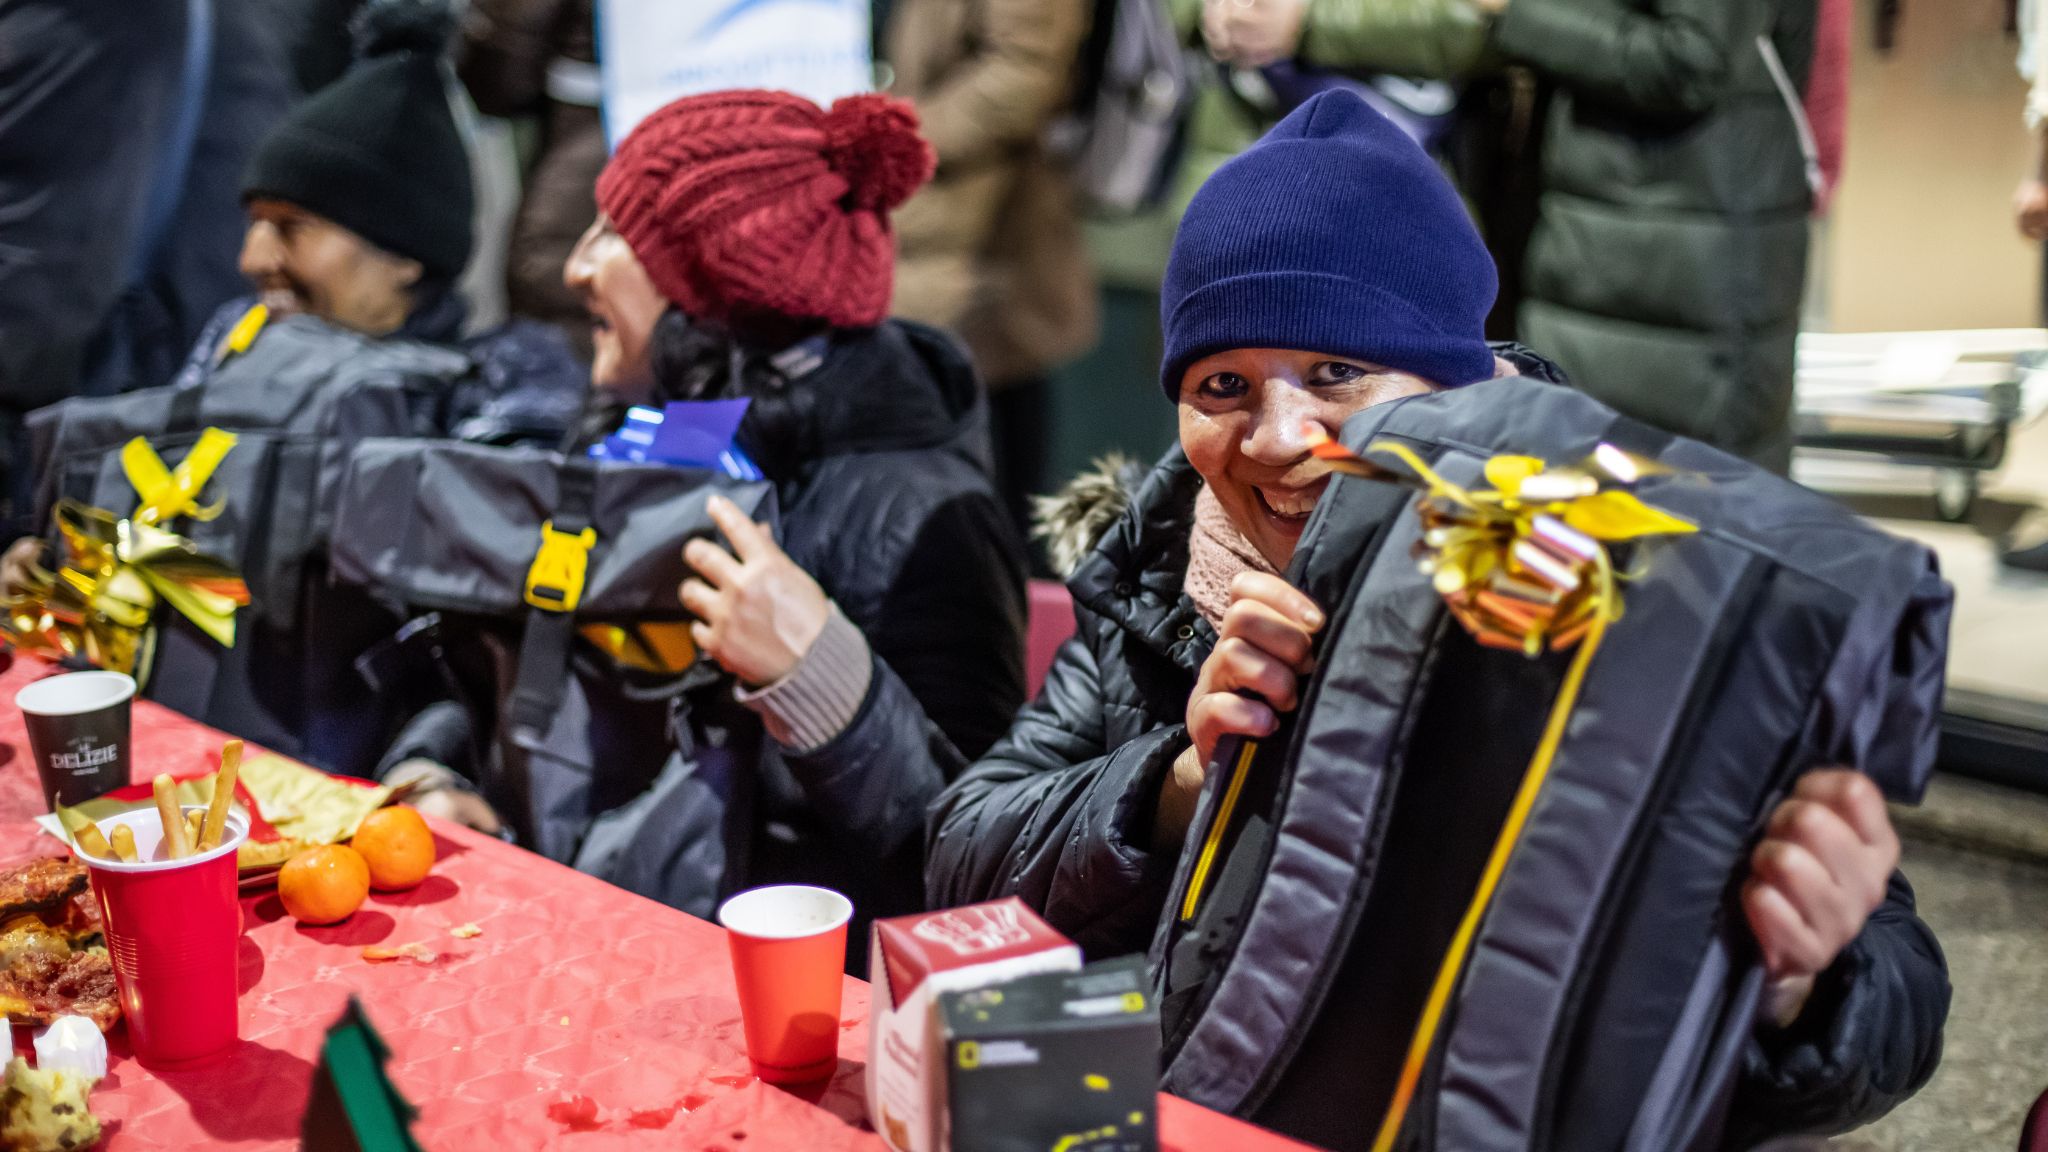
(98, 605)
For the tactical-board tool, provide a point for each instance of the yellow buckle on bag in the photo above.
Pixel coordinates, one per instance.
(555, 581)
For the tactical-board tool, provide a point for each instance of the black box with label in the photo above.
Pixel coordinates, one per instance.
(1060, 1062)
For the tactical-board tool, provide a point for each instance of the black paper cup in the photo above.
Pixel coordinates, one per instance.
(78, 731)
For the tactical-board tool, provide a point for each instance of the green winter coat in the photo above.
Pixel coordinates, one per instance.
(1422, 39)
(1669, 254)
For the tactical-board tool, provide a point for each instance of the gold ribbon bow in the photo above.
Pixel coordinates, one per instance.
(97, 605)
(1523, 566)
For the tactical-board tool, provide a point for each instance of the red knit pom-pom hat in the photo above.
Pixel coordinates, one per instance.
(750, 202)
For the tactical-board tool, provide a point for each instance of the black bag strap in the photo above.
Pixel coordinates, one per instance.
(554, 585)
(185, 415)
(1689, 1092)
(1632, 435)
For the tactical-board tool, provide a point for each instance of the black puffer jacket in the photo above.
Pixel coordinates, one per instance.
(1059, 813)
(897, 520)
(892, 513)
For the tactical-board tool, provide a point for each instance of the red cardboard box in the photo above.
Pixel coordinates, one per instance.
(914, 958)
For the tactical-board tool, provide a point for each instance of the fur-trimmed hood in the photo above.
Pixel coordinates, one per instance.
(1074, 519)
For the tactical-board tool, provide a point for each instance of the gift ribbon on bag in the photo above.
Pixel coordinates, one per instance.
(1523, 566)
(98, 604)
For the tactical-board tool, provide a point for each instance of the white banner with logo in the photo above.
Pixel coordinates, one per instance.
(651, 52)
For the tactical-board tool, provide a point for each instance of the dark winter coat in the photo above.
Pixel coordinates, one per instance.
(1059, 814)
(1669, 256)
(892, 512)
(91, 90)
(508, 49)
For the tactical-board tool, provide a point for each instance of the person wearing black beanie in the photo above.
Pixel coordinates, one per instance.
(360, 202)
(360, 205)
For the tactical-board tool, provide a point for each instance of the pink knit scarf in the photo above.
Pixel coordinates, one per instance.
(1217, 552)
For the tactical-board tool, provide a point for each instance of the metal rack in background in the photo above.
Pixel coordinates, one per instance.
(1932, 413)
(1926, 410)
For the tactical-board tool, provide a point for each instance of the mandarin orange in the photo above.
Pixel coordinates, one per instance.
(397, 845)
(324, 885)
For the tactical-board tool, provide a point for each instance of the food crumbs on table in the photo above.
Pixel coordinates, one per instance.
(466, 932)
(415, 951)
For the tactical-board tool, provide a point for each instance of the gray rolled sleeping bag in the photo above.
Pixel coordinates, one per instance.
(574, 746)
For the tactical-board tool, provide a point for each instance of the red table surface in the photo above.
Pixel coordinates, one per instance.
(575, 988)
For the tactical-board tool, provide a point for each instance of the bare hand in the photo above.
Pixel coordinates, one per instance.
(434, 794)
(1827, 855)
(1253, 33)
(2030, 207)
(757, 612)
(18, 566)
(1262, 650)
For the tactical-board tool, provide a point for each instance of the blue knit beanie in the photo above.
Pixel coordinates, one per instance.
(1334, 233)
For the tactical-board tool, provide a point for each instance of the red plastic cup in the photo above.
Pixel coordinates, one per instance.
(788, 957)
(171, 929)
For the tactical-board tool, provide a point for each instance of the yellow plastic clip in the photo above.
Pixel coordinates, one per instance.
(555, 581)
(167, 493)
(243, 334)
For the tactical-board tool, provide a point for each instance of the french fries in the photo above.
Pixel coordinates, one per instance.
(223, 793)
(84, 833)
(172, 819)
(184, 833)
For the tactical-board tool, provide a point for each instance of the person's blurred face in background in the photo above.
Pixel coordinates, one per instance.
(305, 263)
(1242, 415)
(624, 307)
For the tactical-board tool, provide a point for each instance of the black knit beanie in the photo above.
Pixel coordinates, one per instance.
(377, 151)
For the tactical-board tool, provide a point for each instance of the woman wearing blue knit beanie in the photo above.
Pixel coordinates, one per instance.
(1327, 269)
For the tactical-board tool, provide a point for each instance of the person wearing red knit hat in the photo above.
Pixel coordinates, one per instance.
(745, 250)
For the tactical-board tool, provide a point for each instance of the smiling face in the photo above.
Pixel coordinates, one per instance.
(301, 262)
(624, 306)
(1242, 413)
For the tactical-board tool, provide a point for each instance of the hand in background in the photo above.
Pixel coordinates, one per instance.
(18, 565)
(1253, 33)
(757, 612)
(2030, 208)
(435, 792)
